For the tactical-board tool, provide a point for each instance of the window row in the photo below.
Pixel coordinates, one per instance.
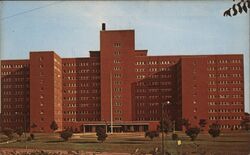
(223, 75)
(14, 79)
(154, 62)
(94, 84)
(154, 83)
(82, 105)
(81, 77)
(224, 82)
(225, 118)
(153, 90)
(81, 112)
(80, 98)
(16, 86)
(81, 64)
(225, 96)
(18, 72)
(147, 119)
(81, 71)
(11, 106)
(17, 120)
(147, 104)
(80, 119)
(14, 92)
(223, 61)
(82, 91)
(154, 97)
(15, 66)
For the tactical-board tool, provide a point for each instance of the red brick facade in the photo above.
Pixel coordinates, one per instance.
(77, 92)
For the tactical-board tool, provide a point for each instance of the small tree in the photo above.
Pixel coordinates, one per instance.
(32, 136)
(33, 125)
(245, 123)
(193, 132)
(214, 130)
(66, 134)
(53, 126)
(19, 132)
(151, 134)
(202, 123)
(8, 132)
(166, 125)
(185, 123)
(174, 136)
(101, 134)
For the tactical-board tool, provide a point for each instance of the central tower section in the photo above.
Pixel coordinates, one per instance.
(117, 52)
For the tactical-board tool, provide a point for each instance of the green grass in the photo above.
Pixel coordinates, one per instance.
(227, 143)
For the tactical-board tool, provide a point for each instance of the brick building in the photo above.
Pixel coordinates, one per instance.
(121, 84)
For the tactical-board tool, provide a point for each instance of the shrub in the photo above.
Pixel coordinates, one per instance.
(245, 123)
(214, 130)
(151, 134)
(165, 125)
(32, 136)
(185, 123)
(65, 135)
(202, 123)
(101, 134)
(29, 139)
(33, 125)
(3, 138)
(174, 136)
(19, 132)
(53, 126)
(8, 132)
(193, 132)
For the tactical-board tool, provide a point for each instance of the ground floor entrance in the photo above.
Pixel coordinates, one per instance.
(118, 128)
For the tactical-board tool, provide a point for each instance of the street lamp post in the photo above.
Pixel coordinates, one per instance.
(162, 131)
(25, 129)
(106, 128)
(174, 126)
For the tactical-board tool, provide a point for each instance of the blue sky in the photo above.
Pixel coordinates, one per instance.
(71, 29)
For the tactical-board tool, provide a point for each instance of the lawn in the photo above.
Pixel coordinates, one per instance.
(227, 143)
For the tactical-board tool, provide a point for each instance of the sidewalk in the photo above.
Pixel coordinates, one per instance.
(15, 151)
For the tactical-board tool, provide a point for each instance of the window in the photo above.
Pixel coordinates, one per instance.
(117, 82)
(117, 68)
(117, 61)
(140, 63)
(117, 75)
(118, 111)
(117, 44)
(117, 104)
(117, 89)
(117, 53)
(118, 118)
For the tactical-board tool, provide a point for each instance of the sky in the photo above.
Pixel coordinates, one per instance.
(71, 28)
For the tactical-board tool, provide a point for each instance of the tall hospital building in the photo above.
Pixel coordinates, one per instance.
(120, 86)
